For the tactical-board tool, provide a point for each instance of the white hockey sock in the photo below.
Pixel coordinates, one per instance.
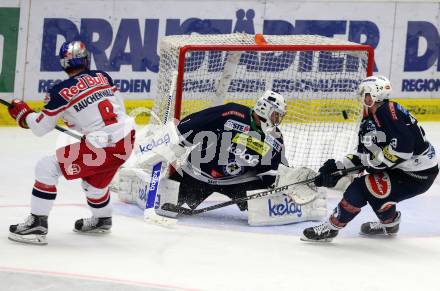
(43, 197)
(98, 200)
(47, 172)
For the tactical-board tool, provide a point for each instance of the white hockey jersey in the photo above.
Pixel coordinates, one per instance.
(87, 102)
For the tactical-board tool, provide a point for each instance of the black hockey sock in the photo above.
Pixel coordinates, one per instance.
(387, 214)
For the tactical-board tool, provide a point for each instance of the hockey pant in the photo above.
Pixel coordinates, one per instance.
(382, 191)
(80, 161)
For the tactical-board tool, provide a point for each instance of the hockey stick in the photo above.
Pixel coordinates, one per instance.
(279, 190)
(57, 127)
(231, 62)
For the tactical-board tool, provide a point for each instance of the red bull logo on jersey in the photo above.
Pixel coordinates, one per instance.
(84, 82)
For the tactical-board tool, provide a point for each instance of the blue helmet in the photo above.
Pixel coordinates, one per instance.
(74, 55)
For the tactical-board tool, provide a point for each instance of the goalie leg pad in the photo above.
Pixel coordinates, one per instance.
(168, 193)
(280, 210)
(132, 186)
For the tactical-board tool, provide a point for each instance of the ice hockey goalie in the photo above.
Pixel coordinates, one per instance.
(229, 149)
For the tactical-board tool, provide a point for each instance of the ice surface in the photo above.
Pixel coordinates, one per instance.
(213, 251)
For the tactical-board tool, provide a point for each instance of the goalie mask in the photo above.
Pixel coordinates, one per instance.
(74, 55)
(374, 89)
(271, 109)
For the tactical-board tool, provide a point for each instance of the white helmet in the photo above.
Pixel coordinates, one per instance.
(268, 104)
(379, 88)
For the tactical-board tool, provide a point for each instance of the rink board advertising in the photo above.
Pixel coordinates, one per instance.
(123, 39)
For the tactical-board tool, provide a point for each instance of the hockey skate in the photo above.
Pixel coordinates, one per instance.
(93, 225)
(321, 233)
(378, 228)
(32, 231)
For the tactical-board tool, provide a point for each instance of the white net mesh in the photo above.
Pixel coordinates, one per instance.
(319, 85)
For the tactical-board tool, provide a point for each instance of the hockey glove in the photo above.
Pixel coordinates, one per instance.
(325, 178)
(19, 110)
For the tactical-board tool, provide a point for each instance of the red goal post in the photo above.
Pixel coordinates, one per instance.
(318, 76)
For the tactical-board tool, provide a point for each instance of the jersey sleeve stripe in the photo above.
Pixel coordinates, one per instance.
(405, 156)
(269, 173)
(49, 112)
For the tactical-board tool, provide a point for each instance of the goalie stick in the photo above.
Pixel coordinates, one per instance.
(57, 127)
(278, 190)
(149, 212)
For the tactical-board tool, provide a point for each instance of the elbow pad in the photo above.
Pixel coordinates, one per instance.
(351, 161)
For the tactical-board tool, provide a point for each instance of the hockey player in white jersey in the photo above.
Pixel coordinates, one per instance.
(233, 150)
(400, 161)
(87, 102)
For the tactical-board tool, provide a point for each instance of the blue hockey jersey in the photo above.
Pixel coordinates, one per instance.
(229, 147)
(392, 137)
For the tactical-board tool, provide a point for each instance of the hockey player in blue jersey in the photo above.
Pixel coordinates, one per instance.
(400, 164)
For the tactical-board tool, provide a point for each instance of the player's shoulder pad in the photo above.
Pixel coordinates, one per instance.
(54, 99)
(105, 74)
(392, 111)
(58, 85)
(236, 110)
(389, 111)
(402, 112)
(55, 83)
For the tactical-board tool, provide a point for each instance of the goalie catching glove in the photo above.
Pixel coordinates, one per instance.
(302, 193)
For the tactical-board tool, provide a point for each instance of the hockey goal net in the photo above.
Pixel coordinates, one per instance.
(318, 77)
